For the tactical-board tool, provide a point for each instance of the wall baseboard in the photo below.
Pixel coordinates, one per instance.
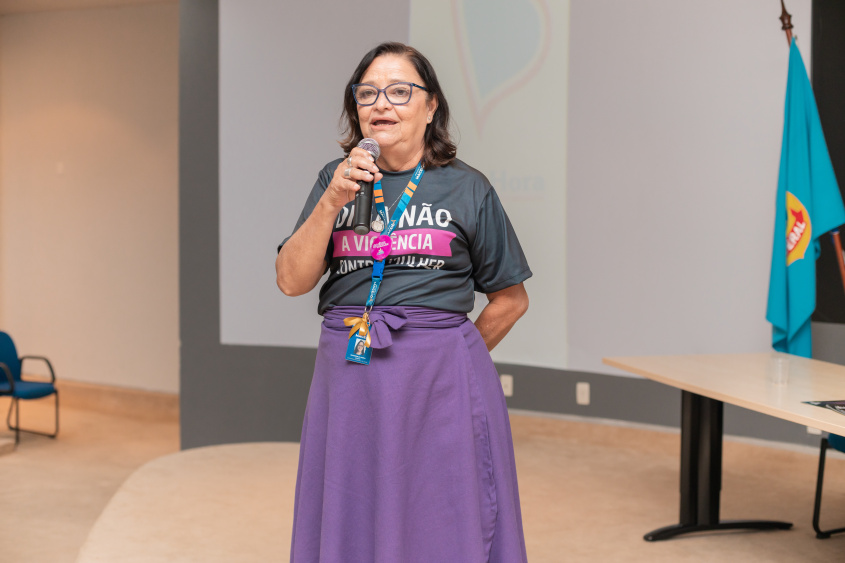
(121, 401)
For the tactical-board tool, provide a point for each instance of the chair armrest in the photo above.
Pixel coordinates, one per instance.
(45, 360)
(8, 375)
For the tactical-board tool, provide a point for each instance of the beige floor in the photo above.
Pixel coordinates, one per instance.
(589, 492)
(53, 490)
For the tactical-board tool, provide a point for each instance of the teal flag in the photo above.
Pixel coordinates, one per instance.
(808, 205)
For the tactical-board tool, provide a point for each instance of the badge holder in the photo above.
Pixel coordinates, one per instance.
(358, 351)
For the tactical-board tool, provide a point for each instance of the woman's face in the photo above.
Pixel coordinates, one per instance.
(400, 129)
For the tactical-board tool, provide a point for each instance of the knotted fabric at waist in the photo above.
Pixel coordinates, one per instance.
(383, 320)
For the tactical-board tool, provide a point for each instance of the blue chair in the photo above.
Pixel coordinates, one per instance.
(12, 385)
(838, 443)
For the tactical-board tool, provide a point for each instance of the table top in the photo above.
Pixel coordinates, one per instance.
(745, 380)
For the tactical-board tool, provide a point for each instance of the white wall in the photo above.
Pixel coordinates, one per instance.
(676, 119)
(279, 115)
(653, 126)
(503, 66)
(498, 64)
(89, 192)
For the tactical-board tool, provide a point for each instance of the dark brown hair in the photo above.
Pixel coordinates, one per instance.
(439, 148)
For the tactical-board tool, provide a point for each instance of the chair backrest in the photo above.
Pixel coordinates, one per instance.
(9, 356)
(837, 442)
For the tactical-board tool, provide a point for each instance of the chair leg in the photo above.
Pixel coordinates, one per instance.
(13, 404)
(17, 426)
(821, 534)
(56, 431)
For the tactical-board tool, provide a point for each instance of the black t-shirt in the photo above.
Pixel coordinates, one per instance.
(454, 238)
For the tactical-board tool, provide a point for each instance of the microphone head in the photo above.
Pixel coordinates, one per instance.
(371, 146)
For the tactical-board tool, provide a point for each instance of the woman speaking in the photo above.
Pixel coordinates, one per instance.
(406, 452)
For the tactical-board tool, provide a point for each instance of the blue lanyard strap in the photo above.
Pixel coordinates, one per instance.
(403, 202)
(378, 194)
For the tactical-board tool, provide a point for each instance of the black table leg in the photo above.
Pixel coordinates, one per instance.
(701, 473)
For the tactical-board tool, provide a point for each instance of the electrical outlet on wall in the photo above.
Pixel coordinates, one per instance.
(507, 385)
(582, 393)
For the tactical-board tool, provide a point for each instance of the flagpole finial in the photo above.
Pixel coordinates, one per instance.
(786, 19)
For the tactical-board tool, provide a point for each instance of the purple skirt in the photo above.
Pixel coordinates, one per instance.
(409, 459)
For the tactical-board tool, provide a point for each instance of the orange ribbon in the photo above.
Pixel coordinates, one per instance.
(360, 324)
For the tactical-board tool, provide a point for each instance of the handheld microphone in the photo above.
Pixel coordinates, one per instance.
(364, 196)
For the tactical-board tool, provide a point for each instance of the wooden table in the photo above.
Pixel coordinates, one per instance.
(745, 380)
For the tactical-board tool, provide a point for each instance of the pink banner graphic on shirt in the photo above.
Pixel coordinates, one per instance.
(430, 242)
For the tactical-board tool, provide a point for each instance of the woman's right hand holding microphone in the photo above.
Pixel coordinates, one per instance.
(358, 166)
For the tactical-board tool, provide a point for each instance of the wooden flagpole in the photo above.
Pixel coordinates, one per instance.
(786, 20)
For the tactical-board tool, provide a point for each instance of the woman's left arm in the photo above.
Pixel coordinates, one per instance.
(505, 307)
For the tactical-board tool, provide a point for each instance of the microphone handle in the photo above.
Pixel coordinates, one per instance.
(363, 209)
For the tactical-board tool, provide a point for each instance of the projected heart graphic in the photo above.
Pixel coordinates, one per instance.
(502, 44)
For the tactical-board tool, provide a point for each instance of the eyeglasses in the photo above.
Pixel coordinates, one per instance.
(398, 93)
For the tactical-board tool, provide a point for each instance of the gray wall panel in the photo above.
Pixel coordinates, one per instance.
(829, 343)
(228, 393)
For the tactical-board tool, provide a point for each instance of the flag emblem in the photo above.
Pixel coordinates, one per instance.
(799, 229)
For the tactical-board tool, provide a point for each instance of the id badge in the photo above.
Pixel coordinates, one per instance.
(357, 350)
